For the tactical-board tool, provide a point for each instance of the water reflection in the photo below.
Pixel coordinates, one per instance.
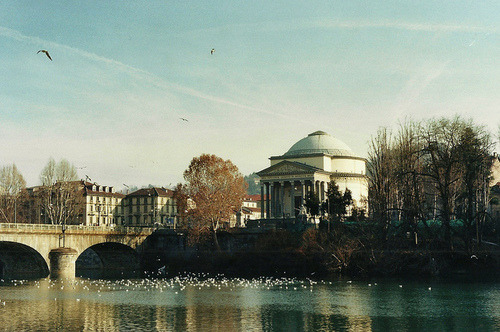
(193, 304)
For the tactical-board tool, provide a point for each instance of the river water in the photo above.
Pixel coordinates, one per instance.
(201, 303)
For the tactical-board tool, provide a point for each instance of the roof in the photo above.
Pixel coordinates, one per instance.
(85, 188)
(88, 186)
(155, 191)
(249, 210)
(254, 198)
(287, 167)
(320, 142)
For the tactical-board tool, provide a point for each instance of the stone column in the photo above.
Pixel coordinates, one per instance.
(282, 199)
(62, 263)
(322, 186)
(303, 188)
(292, 199)
(273, 200)
(268, 201)
(262, 201)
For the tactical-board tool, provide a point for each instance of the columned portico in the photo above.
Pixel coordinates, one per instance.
(286, 197)
(308, 167)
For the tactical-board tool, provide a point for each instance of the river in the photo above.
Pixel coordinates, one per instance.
(202, 303)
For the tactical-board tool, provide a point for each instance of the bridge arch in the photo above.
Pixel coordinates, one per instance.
(20, 261)
(108, 259)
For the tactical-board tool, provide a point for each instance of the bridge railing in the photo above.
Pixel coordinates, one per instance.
(80, 228)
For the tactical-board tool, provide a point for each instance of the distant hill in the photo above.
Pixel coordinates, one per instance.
(253, 181)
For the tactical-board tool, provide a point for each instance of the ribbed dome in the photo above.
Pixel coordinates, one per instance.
(320, 142)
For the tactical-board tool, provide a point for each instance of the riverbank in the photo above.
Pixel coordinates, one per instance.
(347, 251)
(361, 264)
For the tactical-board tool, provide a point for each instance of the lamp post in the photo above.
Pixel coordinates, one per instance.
(98, 214)
(64, 230)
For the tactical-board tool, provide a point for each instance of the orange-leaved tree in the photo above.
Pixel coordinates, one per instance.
(214, 189)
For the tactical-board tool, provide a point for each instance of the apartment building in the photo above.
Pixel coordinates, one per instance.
(150, 207)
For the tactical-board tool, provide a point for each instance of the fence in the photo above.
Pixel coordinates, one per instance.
(76, 228)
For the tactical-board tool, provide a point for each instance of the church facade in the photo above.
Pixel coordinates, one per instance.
(308, 166)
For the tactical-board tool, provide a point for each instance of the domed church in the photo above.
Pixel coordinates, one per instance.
(308, 166)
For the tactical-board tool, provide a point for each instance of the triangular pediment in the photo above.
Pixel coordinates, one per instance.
(288, 167)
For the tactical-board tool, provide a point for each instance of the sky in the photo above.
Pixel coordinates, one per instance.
(124, 73)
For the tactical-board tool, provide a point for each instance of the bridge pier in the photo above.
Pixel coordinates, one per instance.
(62, 263)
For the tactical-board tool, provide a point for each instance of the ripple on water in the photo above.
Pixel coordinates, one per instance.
(200, 301)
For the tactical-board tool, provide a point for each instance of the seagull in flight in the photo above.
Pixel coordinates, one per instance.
(46, 53)
(184, 119)
(212, 51)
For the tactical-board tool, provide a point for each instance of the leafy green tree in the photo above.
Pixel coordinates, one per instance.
(337, 202)
(313, 204)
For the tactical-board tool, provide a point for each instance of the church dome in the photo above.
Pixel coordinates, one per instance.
(320, 142)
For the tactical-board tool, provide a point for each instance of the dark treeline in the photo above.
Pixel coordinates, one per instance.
(432, 178)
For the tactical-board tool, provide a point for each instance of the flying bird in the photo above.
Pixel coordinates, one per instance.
(212, 51)
(46, 53)
(184, 119)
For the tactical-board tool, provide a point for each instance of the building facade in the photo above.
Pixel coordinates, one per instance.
(86, 203)
(150, 207)
(102, 205)
(307, 167)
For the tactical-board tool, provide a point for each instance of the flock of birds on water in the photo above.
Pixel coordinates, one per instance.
(173, 285)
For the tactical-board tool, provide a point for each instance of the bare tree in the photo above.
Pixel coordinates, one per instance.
(61, 191)
(53, 172)
(475, 149)
(12, 184)
(380, 178)
(408, 180)
(440, 165)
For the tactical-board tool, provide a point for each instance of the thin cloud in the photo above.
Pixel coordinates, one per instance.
(416, 85)
(136, 72)
(427, 27)
(279, 26)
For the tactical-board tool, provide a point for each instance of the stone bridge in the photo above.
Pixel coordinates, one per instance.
(43, 249)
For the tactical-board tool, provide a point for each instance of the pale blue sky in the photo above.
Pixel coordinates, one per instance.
(123, 73)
